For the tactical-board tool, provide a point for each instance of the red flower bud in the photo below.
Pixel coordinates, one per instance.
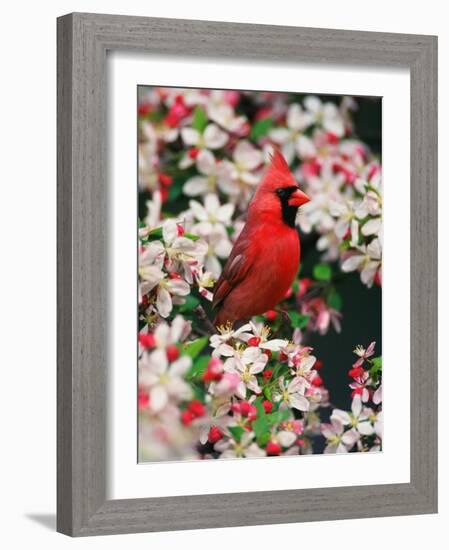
(356, 372)
(165, 179)
(304, 285)
(147, 340)
(263, 112)
(143, 399)
(288, 293)
(245, 408)
(373, 171)
(357, 391)
(196, 408)
(271, 315)
(164, 194)
(332, 138)
(350, 177)
(312, 168)
(273, 448)
(193, 152)
(317, 380)
(187, 417)
(214, 371)
(267, 374)
(337, 167)
(172, 353)
(283, 356)
(254, 341)
(378, 278)
(318, 364)
(178, 110)
(215, 434)
(267, 405)
(144, 109)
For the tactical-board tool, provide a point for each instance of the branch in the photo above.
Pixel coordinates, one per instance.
(199, 310)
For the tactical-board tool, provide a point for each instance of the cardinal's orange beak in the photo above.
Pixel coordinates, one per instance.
(298, 198)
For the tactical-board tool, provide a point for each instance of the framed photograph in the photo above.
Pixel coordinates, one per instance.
(247, 274)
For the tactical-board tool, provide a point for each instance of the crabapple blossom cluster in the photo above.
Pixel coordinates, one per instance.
(250, 396)
(256, 390)
(346, 207)
(170, 262)
(361, 427)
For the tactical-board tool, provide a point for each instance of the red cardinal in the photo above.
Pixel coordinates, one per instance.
(265, 257)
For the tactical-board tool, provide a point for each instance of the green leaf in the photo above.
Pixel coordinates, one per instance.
(191, 236)
(190, 304)
(193, 349)
(376, 370)
(237, 432)
(199, 119)
(199, 391)
(334, 300)
(198, 368)
(345, 245)
(298, 320)
(277, 417)
(264, 439)
(155, 116)
(175, 191)
(267, 393)
(279, 370)
(261, 128)
(155, 234)
(260, 426)
(322, 272)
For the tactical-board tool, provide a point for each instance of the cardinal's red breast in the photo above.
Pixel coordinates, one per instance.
(265, 257)
(273, 260)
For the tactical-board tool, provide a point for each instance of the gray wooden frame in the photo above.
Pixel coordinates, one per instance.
(83, 40)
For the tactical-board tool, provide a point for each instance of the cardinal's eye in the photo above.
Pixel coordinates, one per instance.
(285, 192)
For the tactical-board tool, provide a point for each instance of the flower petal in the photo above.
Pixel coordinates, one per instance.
(206, 163)
(341, 416)
(352, 263)
(158, 398)
(197, 185)
(356, 406)
(286, 438)
(164, 302)
(372, 227)
(299, 402)
(214, 138)
(247, 156)
(365, 428)
(178, 287)
(190, 136)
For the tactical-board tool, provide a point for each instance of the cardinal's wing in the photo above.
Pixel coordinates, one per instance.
(235, 270)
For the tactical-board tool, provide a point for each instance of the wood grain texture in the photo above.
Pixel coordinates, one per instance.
(83, 40)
